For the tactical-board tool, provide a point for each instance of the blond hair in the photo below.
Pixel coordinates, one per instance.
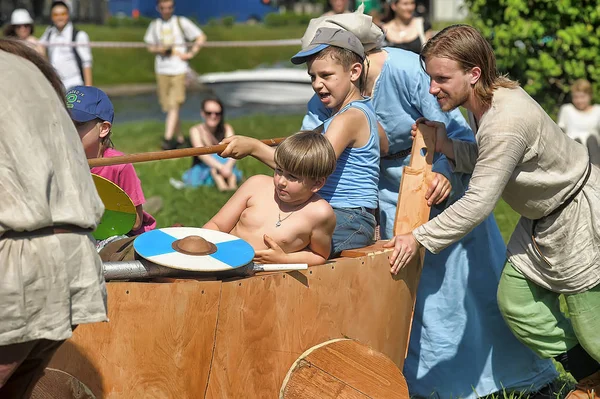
(465, 45)
(306, 154)
(582, 86)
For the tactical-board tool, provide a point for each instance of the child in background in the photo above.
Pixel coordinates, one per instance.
(283, 217)
(212, 169)
(335, 64)
(580, 120)
(92, 113)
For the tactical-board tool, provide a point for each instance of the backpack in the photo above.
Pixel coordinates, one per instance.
(48, 35)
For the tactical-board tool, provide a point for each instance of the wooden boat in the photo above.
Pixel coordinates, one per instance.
(264, 336)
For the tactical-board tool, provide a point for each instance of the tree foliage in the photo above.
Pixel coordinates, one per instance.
(544, 44)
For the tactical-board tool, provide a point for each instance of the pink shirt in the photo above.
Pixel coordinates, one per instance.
(125, 177)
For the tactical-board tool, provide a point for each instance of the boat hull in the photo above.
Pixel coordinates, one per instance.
(237, 338)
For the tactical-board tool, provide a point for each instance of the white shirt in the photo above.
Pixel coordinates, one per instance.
(62, 57)
(580, 125)
(169, 33)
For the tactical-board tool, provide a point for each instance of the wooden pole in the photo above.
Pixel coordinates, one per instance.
(169, 154)
(415, 183)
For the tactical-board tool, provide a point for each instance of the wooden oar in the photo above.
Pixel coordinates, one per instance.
(169, 154)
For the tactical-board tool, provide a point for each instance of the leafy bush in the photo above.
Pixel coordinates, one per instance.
(228, 20)
(545, 45)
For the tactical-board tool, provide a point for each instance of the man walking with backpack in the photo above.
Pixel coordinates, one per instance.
(73, 64)
(166, 37)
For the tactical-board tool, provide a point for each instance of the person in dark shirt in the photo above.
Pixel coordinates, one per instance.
(403, 29)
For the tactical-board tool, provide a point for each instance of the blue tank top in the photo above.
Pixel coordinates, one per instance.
(354, 182)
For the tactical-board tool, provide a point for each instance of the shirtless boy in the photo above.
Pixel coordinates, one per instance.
(335, 64)
(283, 217)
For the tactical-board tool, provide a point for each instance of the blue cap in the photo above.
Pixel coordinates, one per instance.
(325, 37)
(86, 103)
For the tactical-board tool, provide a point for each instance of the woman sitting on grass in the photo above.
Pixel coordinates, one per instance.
(212, 169)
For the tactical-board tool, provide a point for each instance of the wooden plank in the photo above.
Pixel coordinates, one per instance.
(350, 365)
(412, 210)
(266, 322)
(371, 249)
(157, 344)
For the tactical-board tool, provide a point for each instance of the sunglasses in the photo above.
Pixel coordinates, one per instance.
(60, 14)
(213, 113)
(22, 26)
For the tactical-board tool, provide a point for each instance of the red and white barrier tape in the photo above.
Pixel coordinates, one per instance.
(217, 44)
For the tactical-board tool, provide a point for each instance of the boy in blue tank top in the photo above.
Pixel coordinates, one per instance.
(335, 64)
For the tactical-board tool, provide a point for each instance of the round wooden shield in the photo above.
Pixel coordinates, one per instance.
(119, 211)
(161, 246)
(343, 369)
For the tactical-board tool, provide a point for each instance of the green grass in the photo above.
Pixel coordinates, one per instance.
(192, 206)
(113, 66)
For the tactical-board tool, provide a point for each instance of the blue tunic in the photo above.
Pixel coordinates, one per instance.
(459, 346)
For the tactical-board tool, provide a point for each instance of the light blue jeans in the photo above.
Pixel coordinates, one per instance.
(354, 228)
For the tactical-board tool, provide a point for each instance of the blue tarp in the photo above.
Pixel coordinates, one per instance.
(200, 10)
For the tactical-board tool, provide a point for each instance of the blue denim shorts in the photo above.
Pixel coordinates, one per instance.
(354, 228)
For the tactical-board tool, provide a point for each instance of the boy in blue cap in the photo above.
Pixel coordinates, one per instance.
(92, 113)
(335, 64)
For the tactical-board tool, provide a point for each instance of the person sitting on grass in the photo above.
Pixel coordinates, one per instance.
(283, 217)
(335, 63)
(211, 169)
(92, 113)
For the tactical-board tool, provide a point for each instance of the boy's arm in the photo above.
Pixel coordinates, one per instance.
(317, 251)
(229, 132)
(241, 146)
(226, 219)
(345, 130)
(274, 254)
(320, 240)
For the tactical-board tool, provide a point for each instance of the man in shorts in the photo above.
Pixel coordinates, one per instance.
(166, 37)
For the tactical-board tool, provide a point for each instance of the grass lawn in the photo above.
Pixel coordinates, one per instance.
(113, 66)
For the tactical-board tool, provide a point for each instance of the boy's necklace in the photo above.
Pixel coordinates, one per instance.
(279, 219)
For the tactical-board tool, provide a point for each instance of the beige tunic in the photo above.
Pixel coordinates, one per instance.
(523, 156)
(47, 283)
